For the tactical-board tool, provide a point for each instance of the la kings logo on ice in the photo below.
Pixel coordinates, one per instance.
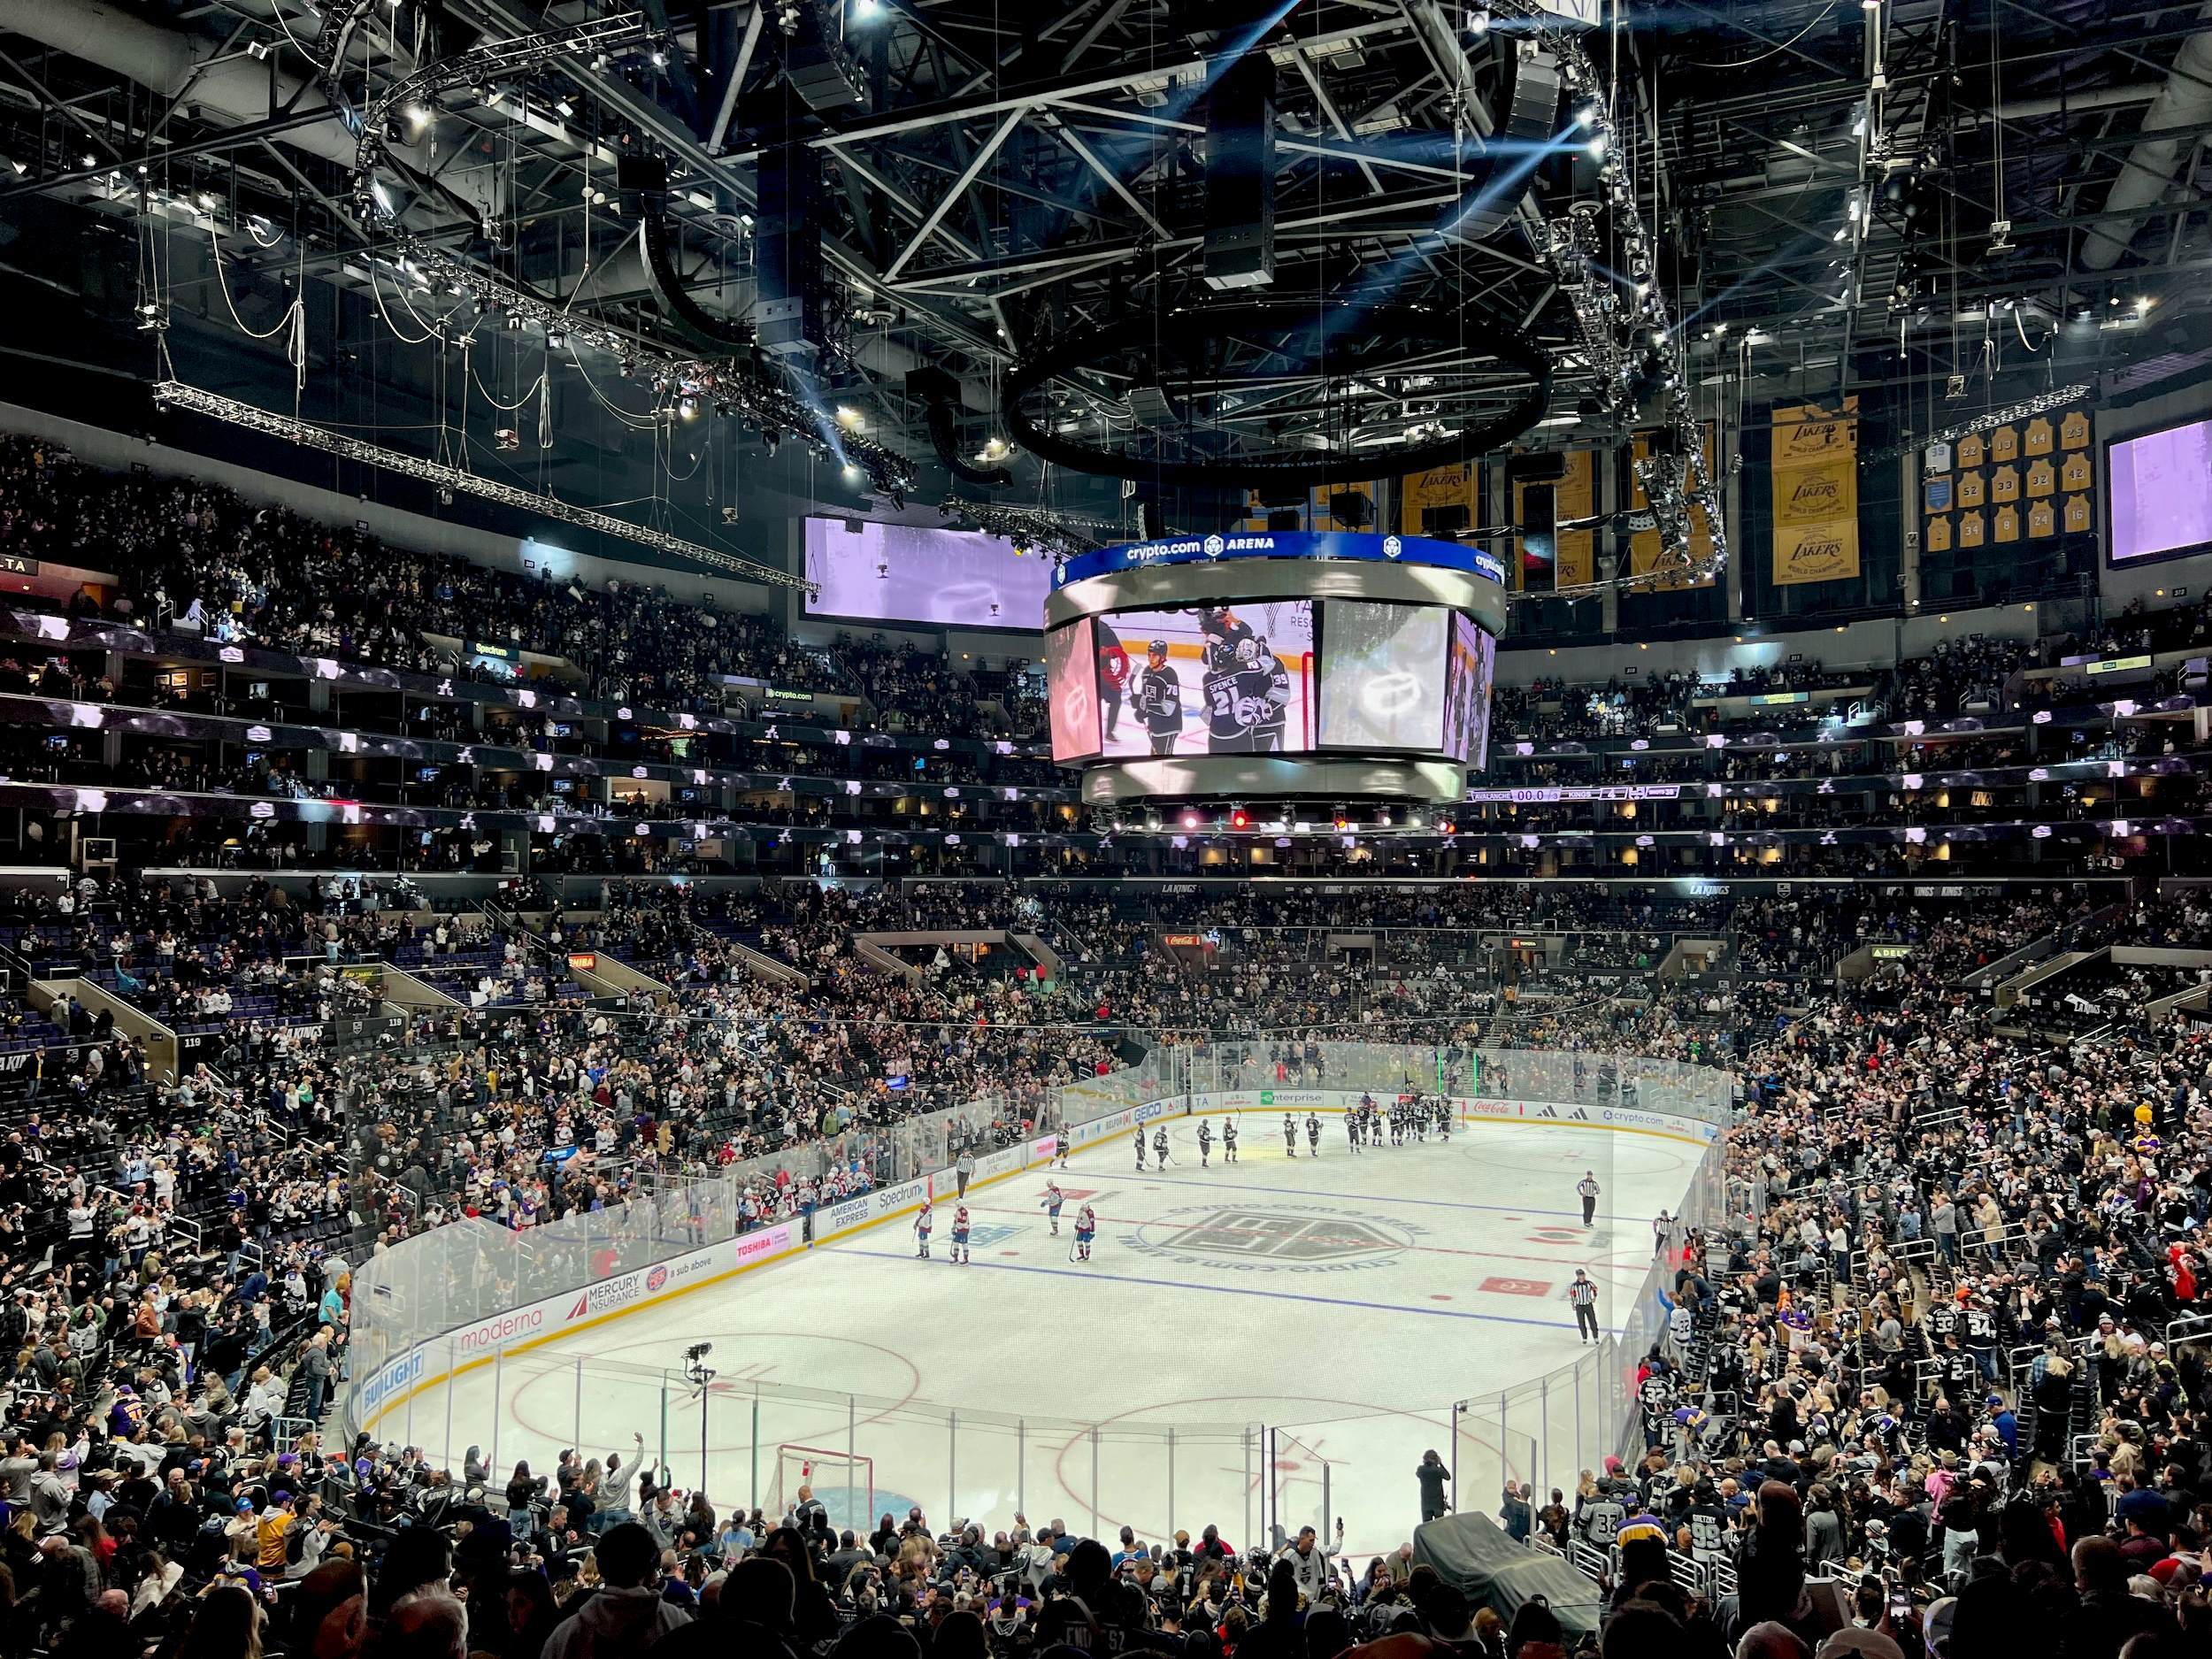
(1291, 1238)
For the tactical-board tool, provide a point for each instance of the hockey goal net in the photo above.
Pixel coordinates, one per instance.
(843, 1483)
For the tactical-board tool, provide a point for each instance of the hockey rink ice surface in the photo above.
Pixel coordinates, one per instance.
(1343, 1302)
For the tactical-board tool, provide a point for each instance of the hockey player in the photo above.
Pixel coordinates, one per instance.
(1229, 1141)
(1051, 1202)
(1374, 1124)
(1086, 1230)
(1159, 1146)
(1353, 1127)
(923, 1222)
(1139, 1138)
(1263, 694)
(1226, 732)
(1444, 1118)
(1419, 1112)
(1159, 699)
(1313, 1135)
(1205, 1143)
(960, 1235)
(1290, 1136)
(1397, 1123)
(1114, 676)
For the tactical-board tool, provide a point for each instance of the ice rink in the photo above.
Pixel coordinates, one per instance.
(1238, 1328)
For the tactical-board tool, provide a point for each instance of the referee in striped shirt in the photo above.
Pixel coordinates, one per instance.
(1582, 1296)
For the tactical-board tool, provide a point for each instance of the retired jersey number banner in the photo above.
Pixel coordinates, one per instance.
(1815, 494)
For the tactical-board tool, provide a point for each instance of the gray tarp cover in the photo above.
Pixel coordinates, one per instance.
(1473, 1552)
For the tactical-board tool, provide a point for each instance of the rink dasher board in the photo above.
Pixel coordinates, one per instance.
(534, 1324)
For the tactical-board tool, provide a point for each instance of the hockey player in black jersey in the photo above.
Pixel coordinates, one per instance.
(1229, 1141)
(1262, 695)
(1159, 699)
(1205, 1143)
(1227, 732)
(1313, 1135)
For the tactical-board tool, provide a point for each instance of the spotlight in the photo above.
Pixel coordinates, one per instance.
(1190, 818)
(1478, 21)
(1238, 818)
(864, 9)
(514, 322)
(851, 418)
(660, 60)
(852, 472)
(566, 109)
(1596, 148)
(556, 338)
(1589, 114)
(688, 406)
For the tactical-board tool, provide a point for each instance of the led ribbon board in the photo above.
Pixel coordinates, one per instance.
(1295, 545)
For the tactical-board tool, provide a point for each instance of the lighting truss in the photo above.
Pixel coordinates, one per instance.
(761, 399)
(1614, 350)
(176, 394)
(2026, 409)
(1048, 532)
(492, 59)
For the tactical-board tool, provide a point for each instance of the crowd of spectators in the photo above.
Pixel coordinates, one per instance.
(1922, 1353)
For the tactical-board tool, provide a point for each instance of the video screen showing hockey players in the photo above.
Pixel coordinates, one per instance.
(1467, 676)
(1382, 686)
(1232, 679)
(1071, 688)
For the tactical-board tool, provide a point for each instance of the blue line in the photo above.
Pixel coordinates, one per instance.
(1246, 1290)
(1371, 1198)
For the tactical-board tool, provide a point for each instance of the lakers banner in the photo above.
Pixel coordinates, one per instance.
(1815, 472)
(1440, 502)
(1645, 545)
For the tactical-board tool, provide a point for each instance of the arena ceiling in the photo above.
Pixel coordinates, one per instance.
(1842, 195)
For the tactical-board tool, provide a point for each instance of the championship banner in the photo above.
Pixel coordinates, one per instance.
(1816, 471)
(1645, 545)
